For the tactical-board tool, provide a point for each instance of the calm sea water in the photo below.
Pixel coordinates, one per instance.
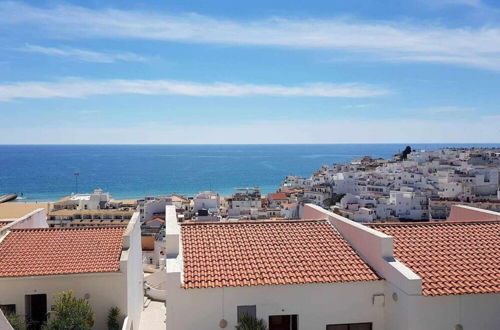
(46, 172)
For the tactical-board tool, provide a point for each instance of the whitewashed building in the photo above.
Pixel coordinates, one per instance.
(206, 206)
(100, 264)
(383, 276)
(245, 204)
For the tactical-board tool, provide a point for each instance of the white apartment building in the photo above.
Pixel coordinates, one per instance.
(345, 182)
(206, 206)
(206, 200)
(295, 182)
(394, 276)
(290, 211)
(96, 200)
(243, 274)
(100, 264)
(317, 194)
(152, 205)
(408, 205)
(245, 204)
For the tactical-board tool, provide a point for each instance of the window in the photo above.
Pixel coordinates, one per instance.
(8, 309)
(250, 310)
(351, 326)
(283, 322)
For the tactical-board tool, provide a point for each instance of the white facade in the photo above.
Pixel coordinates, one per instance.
(206, 206)
(104, 290)
(394, 303)
(96, 200)
(315, 304)
(364, 215)
(206, 200)
(123, 289)
(245, 205)
(408, 205)
(405, 307)
(153, 205)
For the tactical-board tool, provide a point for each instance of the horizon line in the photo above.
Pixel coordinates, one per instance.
(241, 144)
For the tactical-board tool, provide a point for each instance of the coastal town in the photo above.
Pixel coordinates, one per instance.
(359, 230)
(250, 165)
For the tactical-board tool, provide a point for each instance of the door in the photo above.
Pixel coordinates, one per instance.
(36, 310)
(283, 322)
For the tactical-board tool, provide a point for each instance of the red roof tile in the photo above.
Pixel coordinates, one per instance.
(51, 251)
(451, 258)
(278, 196)
(268, 252)
(4, 223)
(155, 220)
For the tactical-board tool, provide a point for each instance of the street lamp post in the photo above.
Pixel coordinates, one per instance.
(76, 174)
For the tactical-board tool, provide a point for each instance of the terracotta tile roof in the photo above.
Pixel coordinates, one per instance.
(451, 258)
(278, 196)
(4, 223)
(51, 251)
(155, 220)
(249, 253)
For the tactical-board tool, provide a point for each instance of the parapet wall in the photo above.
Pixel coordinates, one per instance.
(468, 213)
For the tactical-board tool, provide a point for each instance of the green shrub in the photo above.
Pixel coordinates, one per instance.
(113, 318)
(71, 313)
(248, 322)
(16, 321)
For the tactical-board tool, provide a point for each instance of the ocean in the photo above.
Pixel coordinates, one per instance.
(46, 172)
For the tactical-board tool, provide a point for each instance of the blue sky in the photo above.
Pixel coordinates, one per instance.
(250, 71)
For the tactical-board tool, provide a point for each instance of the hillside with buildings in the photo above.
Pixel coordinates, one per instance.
(417, 187)
(336, 233)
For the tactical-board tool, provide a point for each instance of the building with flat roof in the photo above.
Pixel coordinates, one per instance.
(80, 218)
(15, 210)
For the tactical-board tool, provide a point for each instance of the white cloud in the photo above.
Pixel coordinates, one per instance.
(78, 88)
(390, 41)
(470, 3)
(83, 54)
(445, 110)
(304, 131)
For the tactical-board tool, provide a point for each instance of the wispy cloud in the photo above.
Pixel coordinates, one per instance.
(78, 88)
(389, 41)
(446, 109)
(440, 3)
(305, 131)
(83, 54)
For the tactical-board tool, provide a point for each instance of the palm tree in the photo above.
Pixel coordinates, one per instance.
(248, 322)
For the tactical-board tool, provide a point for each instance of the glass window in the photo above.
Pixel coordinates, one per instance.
(8, 309)
(248, 309)
(283, 322)
(351, 326)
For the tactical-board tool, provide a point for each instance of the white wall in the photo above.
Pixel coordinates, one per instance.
(374, 247)
(122, 289)
(133, 269)
(4, 324)
(154, 206)
(35, 219)
(105, 290)
(172, 231)
(472, 311)
(315, 304)
(412, 310)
